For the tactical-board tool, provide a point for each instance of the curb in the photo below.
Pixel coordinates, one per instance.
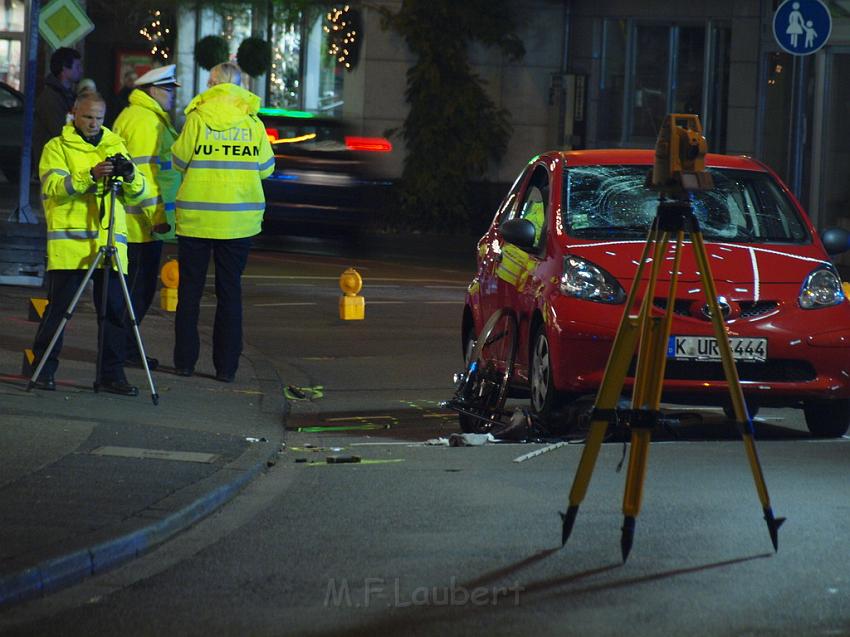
(60, 572)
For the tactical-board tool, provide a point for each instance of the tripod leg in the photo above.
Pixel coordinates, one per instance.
(128, 302)
(101, 313)
(69, 312)
(603, 411)
(745, 423)
(649, 378)
(634, 486)
(606, 399)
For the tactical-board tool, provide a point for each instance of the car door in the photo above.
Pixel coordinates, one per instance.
(517, 273)
(491, 293)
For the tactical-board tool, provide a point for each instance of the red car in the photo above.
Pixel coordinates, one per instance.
(561, 256)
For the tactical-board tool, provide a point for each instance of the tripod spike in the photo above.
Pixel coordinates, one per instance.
(773, 525)
(569, 519)
(627, 536)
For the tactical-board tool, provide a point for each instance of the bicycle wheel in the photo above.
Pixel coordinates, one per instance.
(489, 367)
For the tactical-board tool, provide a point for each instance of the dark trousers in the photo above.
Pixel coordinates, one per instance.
(142, 274)
(61, 287)
(230, 257)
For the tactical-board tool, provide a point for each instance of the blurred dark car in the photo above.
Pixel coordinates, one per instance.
(325, 176)
(11, 137)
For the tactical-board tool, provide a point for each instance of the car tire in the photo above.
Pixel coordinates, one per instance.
(544, 397)
(827, 418)
(752, 409)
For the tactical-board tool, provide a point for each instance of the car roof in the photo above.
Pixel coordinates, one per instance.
(634, 156)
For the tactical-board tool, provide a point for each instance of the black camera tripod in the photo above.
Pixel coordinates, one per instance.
(106, 254)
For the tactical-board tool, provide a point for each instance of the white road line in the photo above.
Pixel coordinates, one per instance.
(282, 304)
(366, 279)
(368, 302)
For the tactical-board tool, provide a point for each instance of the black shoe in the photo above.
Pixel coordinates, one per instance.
(46, 383)
(225, 378)
(120, 387)
(135, 361)
(182, 371)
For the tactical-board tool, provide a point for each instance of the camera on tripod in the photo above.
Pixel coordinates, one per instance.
(121, 166)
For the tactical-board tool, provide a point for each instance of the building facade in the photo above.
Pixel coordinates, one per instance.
(596, 73)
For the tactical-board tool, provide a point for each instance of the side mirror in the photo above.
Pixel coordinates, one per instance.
(520, 232)
(835, 240)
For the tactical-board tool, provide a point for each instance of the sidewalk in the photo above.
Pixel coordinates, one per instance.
(88, 481)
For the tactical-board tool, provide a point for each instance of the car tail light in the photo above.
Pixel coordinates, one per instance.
(272, 134)
(372, 144)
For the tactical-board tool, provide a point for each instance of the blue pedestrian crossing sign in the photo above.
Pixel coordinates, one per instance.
(802, 27)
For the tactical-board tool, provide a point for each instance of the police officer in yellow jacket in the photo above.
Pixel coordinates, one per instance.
(224, 153)
(145, 125)
(74, 173)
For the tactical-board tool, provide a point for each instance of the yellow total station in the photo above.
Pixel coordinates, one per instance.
(352, 306)
(680, 156)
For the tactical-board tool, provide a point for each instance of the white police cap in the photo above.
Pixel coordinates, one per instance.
(159, 76)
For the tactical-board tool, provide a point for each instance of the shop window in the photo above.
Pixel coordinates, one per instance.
(304, 75)
(613, 80)
(285, 80)
(650, 81)
(651, 69)
(12, 22)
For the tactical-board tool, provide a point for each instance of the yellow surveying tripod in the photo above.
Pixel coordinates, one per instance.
(679, 168)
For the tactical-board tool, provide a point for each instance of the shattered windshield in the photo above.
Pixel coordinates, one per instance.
(743, 207)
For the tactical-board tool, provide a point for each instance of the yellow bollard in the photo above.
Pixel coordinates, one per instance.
(170, 277)
(352, 307)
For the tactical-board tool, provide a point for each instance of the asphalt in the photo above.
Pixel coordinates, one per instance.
(91, 480)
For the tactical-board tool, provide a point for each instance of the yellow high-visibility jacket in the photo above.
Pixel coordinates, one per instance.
(149, 134)
(224, 153)
(72, 200)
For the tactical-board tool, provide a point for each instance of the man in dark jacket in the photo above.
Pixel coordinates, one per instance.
(56, 98)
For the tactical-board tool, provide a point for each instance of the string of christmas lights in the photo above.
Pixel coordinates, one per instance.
(157, 35)
(343, 37)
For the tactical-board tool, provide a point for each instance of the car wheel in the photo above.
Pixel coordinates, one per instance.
(827, 418)
(544, 397)
(752, 409)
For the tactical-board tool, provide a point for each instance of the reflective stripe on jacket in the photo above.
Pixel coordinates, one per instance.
(224, 154)
(148, 133)
(72, 200)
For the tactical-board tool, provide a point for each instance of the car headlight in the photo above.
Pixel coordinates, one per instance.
(822, 288)
(585, 280)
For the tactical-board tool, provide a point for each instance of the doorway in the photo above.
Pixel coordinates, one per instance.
(834, 179)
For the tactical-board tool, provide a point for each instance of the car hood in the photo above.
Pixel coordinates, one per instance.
(733, 262)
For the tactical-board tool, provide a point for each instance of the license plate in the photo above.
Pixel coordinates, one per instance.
(704, 348)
